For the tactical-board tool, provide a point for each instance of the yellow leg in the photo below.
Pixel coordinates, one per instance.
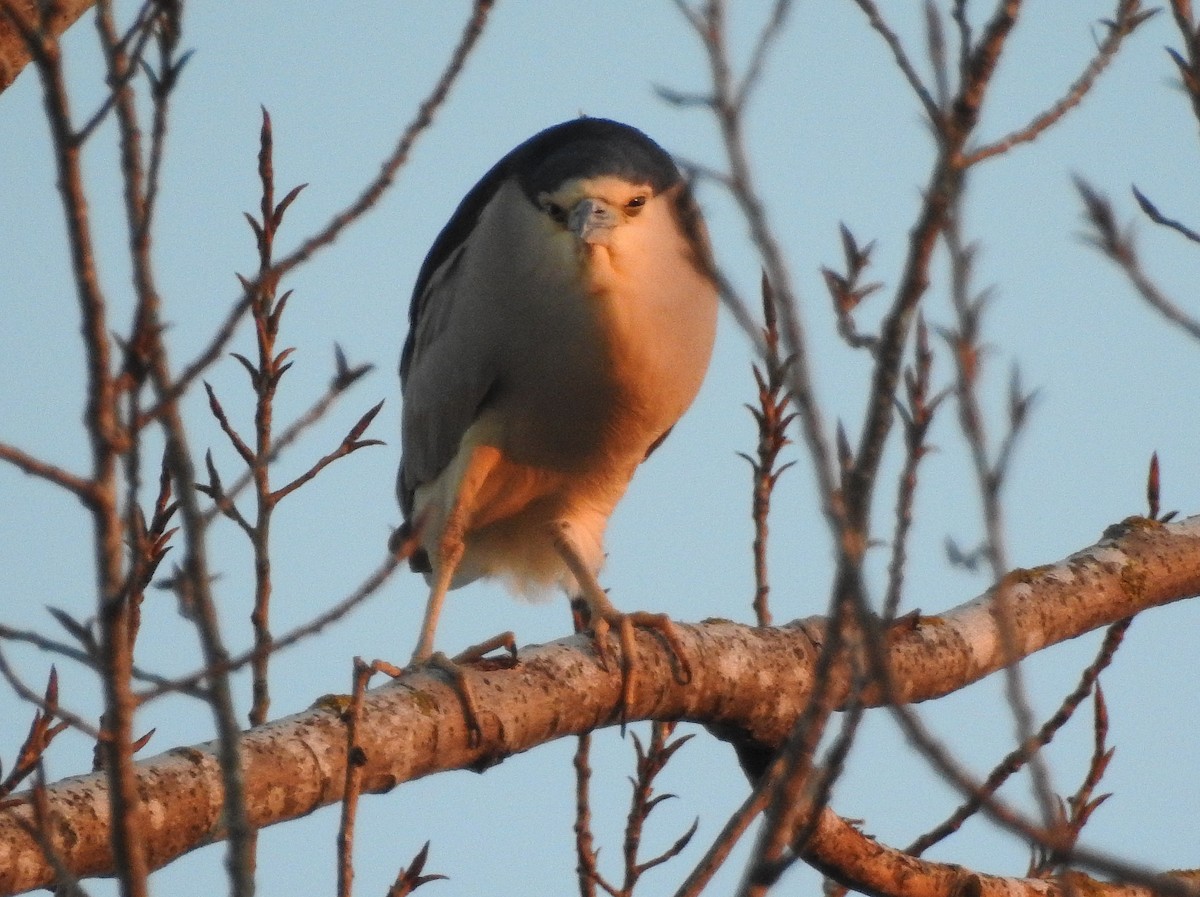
(451, 541)
(448, 557)
(603, 616)
(450, 548)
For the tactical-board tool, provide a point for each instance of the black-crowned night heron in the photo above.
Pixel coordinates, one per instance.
(560, 325)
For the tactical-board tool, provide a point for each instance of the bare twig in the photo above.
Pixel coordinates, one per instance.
(107, 440)
(772, 418)
(709, 26)
(789, 812)
(344, 377)
(730, 834)
(140, 33)
(353, 783)
(350, 443)
(365, 590)
(651, 760)
(1017, 759)
(1128, 17)
(1158, 217)
(420, 123)
(771, 30)
(82, 488)
(30, 696)
(1118, 245)
(1189, 67)
(41, 732)
(66, 882)
(408, 880)
(991, 474)
(1080, 806)
(585, 851)
(846, 291)
(876, 21)
(917, 415)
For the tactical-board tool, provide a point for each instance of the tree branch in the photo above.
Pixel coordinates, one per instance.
(414, 727)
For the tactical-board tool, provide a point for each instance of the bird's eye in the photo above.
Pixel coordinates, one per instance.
(555, 211)
(635, 205)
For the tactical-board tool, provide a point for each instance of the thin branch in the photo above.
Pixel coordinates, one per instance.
(365, 590)
(353, 784)
(1017, 758)
(424, 118)
(344, 377)
(351, 443)
(1128, 17)
(710, 29)
(585, 851)
(651, 761)
(789, 806)
(1119, 247)
(991, 478)
(107, 439)
(1158, 217)
(772, 418)
(902, 61)
(737, 825)
(83, 489)
(412, 877)
(917, 415)
(66, 882)
(30, 696)
(42, 731)
(771, 30)
(141, 30)
(196, 368)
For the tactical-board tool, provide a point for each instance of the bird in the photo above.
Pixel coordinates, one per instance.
(560, 325)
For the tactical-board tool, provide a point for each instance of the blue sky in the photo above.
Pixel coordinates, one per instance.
(835, 136)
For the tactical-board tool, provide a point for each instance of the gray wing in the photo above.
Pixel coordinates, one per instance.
(447, 372)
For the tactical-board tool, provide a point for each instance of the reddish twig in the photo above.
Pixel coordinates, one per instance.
(42, 731)
(1128, 17)
(772, 419)
(1017, 759)
(585, 851)
(411, 878)
(917, 415)
(353, 783)
(651, 760)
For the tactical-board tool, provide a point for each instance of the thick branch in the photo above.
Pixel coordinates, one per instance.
(749, 683)
(859, 862)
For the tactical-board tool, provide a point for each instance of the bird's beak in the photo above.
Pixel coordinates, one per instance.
(593, 220)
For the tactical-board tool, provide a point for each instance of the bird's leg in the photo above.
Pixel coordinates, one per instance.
(450, 552)
(602, 616)
(450, 549)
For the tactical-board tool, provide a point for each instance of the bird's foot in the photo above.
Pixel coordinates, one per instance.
(454, 668)
(608, 619)
(479, 653)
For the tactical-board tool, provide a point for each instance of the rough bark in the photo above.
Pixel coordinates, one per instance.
(862, 864)
(750, 684)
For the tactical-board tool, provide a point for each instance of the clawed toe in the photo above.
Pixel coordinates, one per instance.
(478, 653)
(600, 627)
(454, 668)
(466, 695)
